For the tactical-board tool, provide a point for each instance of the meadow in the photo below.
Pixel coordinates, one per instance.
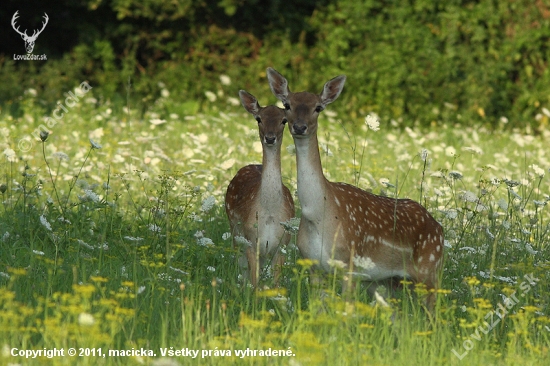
(113, 237)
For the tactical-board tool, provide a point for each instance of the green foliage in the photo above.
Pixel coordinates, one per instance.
(417, 62)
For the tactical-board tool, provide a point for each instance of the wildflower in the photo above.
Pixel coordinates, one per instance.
(453, 174)
(89, 195)
(372, 122)
(538, 170)
(165, 93)
(226, 236)
(208, 203)
(84, 244)
(450, 151)
(242, 240)
(95, 145)
(86, 319)
(45, 223)
(210, 96)
(10, 155)
(228, 164)
(479, 207)
(211, 269)
(291, 226)
(157, 121)
(451, 214)
(473, 150)
(5, 237)
(386, 183)
(61, 156)
(154, 228)
(424, 154)
(233, 101)
(205, 242)
(32, 93)
(131, 238)
(44, 135)
(530, 249)
(468, 196)
(363, 262)
(225, 80)
(38, 252)
(336, 263)
(511, 183)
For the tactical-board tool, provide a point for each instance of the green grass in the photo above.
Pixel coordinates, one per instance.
(127, 246)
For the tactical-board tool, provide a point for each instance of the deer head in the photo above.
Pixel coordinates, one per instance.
(29, 40)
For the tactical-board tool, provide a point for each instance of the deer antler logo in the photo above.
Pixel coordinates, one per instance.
(29, 40)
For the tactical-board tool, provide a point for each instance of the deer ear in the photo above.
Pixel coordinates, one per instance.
(332, 89)
(249, 102)
(278, 84)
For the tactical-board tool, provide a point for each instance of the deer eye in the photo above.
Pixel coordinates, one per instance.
(259, 119)
(284, 121)
(318, 109)
(287, 106)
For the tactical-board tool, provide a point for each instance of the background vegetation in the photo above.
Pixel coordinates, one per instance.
(424, 61)
(113, 234)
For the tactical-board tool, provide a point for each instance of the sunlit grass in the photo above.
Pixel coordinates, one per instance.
(121, 243)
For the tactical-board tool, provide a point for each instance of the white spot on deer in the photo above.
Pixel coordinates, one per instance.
(419, 259)
(438, 248)
(432, 257)
(337, 201)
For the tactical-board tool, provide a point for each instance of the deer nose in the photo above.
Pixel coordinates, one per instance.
(299, 129)
(270, 140)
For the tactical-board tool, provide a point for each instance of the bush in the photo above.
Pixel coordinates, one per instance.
(419, 62)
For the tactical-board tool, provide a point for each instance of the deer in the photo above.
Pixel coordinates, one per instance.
(29, 40)
(257, 201)
(377, 238)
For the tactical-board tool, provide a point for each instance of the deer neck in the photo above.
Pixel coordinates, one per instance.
(271, 191)
(311, 180)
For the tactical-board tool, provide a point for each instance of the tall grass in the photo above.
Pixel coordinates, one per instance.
(121, 243)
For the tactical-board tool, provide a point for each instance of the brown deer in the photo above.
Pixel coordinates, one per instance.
(377, 238)
(256, 201)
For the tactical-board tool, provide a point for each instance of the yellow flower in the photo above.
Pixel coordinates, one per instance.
(307, 263)
(530, 309)
(17, 271)
(272, 292)
(85, 290)
(423, 334)
(98, 279)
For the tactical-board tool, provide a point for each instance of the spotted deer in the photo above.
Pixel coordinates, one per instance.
(377, 238)
(257, 201)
